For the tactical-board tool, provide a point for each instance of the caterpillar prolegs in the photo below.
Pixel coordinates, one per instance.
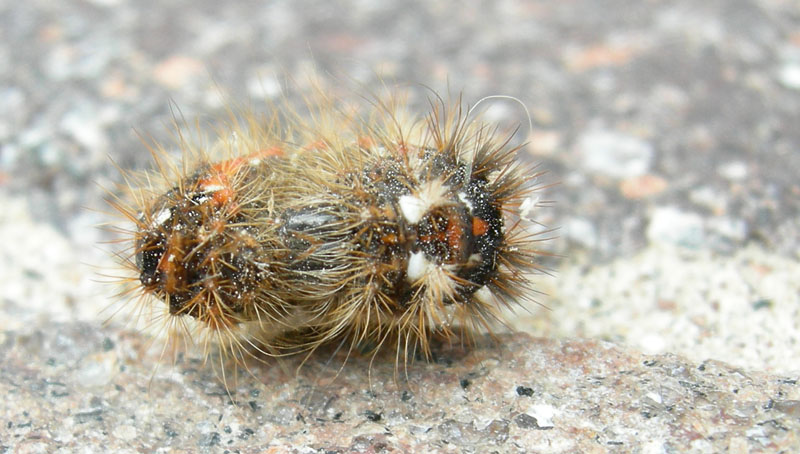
(336, 227)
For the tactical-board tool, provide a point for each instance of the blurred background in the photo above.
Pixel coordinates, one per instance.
(671, 128)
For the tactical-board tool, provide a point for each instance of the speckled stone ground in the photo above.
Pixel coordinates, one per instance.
(95, 390)
(670, 126)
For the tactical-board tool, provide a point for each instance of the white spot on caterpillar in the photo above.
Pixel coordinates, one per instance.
(162, 217)
(417, 266)
(429, 195)
(213, 188)
(463, 198)
(201, 200)
(474, 258)
(412, 207)
(484, 295)
(365, 214)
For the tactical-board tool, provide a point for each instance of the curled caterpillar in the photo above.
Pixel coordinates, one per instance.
(335, 227)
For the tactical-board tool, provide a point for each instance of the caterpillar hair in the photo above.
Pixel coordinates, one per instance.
(366, 230)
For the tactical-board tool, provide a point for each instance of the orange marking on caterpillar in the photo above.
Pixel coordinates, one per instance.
(318, 145)
(218, 182)
(390, 238)
(455, 233)
(365, 142)
(479, 226)
(168, 264)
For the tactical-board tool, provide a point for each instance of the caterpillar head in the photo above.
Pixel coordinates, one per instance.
(194, 252)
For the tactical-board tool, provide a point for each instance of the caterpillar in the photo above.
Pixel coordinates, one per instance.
(293, 230)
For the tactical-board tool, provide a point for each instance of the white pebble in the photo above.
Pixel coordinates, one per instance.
(733, 171)
(544, 414)
(673, 226)
(790, 76)
(615, 155)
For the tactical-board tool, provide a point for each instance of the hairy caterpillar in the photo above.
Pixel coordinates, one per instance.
(334, 227)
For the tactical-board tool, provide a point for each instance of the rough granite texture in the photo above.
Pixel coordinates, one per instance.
(670, 323)
(99, 392)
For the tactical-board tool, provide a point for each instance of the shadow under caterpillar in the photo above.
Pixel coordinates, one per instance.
(334, 227)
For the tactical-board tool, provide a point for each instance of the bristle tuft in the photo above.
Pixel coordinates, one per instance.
(331, 226)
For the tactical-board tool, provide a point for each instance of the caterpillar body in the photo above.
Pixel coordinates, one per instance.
(296, 231)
